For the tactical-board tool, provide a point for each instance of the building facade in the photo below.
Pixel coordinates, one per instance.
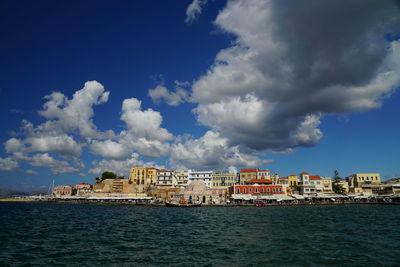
(263, 174)
(165, 177)
(83, 189)
(326, 185)
(199, 192)
(114, 186)
(223, 180)
(257, 189)
(358, 180)
(143, 177)
(181, 179)
(246, 175)
(203, 176)
(293, 182)
(310, 184)
(63, 190)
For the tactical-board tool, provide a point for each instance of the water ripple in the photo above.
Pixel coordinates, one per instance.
(90, 235)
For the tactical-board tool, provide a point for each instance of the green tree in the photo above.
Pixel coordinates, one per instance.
(106, 175)
(336, 186)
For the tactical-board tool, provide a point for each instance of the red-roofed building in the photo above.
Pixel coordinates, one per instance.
(257, 189)
(83, 188)
(63, 190)
(259, 181)
(310, 184)
(251, 174)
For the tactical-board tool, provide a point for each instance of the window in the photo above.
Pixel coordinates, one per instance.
(256, 190)
(262, 190)
(244, 190)
(268, 190)
(250, 190)
(238, 190)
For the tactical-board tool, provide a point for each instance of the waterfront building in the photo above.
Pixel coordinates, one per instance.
(63, 190)
(256, 189)
(198, 191)
(143, 177)
(359, 182)
(310, 184)
(263, 174)
(293, 182)
(246, 175)
(115, 186)
(83, 189)
(345, 185)
(180, 179)
(389, 187)
(203, 176)
(165, 177)
(223, 180)
(258, 181)
(392, 181)
(326, 185)
(283, 181)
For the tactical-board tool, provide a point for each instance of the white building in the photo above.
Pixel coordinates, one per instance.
(165, 177)
(310, 184)
(180, 179)
(204, 176)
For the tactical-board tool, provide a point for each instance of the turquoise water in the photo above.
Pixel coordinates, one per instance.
(110, 235)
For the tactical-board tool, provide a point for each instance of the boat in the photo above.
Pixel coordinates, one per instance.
(181, 204)
(259, 203)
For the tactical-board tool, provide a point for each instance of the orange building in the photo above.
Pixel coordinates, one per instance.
(63, 190)
(258, 189)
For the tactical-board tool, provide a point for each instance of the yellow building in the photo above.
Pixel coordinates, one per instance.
(293, 182)
(143, 177)
(246, 175)
(222, 180)
(358, 180)
(327, 185)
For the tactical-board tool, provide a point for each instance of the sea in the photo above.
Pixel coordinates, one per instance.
(54, 234)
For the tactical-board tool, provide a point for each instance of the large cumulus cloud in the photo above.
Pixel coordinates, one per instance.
(293, 62)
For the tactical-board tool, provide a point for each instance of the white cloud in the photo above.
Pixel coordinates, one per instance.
(146, 123)
(210, 151)
(110, 149)
(143, 134)
(194, 10)
(171, 98)
(76, 113)
(120, 167)
(56, 166)
(8, 164)
(293, 62)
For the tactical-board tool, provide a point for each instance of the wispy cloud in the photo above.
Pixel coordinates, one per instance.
(194, 10)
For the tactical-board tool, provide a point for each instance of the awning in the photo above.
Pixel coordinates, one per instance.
(298, 197)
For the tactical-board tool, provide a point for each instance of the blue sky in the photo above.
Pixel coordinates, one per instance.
(286, 86)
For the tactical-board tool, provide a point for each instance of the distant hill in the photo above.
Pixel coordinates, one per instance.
(4, 192)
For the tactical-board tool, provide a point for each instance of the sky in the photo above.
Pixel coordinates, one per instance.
(290, 86)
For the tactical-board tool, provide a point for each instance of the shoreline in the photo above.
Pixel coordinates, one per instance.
(5, 200)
